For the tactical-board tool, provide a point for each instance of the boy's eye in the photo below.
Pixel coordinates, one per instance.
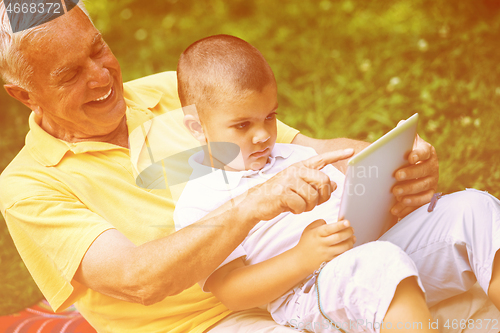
(241, 125)
(271, 116)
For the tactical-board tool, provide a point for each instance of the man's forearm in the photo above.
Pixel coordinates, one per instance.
(164, 267)
(192, 253)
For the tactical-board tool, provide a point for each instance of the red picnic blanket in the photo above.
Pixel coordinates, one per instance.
(40, 318)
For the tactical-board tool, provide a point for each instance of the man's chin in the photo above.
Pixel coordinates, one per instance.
(108, 121)
(118, 114)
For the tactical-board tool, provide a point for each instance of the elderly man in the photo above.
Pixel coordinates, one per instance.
(83, 226)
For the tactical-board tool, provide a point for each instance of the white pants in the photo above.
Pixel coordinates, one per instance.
(451, 247)
(447, 249)
(355, 290)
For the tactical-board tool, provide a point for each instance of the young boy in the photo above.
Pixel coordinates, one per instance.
(369, 288)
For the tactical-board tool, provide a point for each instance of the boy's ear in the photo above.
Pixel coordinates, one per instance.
(194, 126)
(23, 96)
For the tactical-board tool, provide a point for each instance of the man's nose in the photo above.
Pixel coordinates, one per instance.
(261, 136)
(99, 76)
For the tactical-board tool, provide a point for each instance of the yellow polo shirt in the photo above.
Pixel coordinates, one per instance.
(58, 197)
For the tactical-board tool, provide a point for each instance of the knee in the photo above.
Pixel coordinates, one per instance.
(471, 205)
(373, 268)
(384, 255)
(469, 200)
(382, 249)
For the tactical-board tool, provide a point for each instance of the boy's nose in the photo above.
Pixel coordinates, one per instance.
(261, 137)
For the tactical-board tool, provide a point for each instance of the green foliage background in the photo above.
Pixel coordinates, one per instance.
(344, 69)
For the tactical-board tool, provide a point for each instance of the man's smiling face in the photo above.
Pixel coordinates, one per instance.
(77, 86)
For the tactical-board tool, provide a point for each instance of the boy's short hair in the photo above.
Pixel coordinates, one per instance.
(218, 69)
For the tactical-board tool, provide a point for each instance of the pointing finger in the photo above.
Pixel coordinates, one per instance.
(320, 161)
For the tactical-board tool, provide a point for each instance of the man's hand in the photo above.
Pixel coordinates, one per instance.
(298, 188)
(322, 242)
(417, 182)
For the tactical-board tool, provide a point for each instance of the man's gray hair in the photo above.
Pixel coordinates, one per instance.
(14, 67)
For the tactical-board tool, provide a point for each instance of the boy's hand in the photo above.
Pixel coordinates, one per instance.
(322, 242)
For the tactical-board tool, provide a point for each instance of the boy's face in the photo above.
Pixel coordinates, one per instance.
(250, 123)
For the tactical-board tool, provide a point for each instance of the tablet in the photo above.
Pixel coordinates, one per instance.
(367, 198)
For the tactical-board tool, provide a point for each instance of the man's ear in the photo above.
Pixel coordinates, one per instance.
(194, 127)
(23, 96)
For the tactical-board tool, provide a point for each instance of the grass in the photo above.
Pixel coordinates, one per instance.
(18, 290)
(344, 68)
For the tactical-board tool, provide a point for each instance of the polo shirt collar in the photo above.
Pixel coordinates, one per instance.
(49, 151)
(142, 96)
(45, 149)
(140, 101)
(228, 180)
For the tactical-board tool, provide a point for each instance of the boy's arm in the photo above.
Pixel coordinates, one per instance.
(241, 287)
